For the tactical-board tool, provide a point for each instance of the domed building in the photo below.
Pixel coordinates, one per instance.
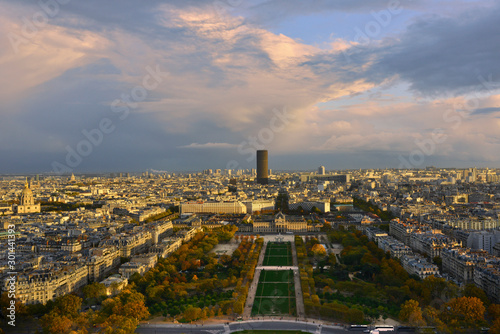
(26, 202)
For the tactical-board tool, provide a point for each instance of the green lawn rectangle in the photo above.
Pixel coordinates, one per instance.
(275, 290)
(277, 251)
(274, 306)
(278, 254)
(275, 293)
(276, 276)
(277, 261)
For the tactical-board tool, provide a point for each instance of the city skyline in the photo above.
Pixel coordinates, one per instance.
(190, 85)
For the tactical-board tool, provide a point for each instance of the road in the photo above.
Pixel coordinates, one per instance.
(239, 326)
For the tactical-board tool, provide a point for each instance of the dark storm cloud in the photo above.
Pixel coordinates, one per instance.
(435, 55)
(446, 55)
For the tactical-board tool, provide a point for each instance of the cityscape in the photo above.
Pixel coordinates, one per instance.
(278, 248)
(249, 167)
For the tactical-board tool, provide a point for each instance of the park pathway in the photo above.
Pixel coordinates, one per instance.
(301, 314)
(247, 311)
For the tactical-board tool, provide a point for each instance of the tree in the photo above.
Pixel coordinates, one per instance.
(318, 250)
(495, 328)
(315, 299)
(192, 313)
(94, 290)
(236, 253)
(21, 309)
(56, 323)
(494, 311)
(128, 303)
(118, 324)
(465, 312)
(411, 313)
(315, 210)
(432, 317)
(471, 290)
(69, 305)
(238, 306)
(133, 306)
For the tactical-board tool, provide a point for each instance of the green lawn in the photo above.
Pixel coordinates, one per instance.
(278, 254)
(275, 294)
(276, 276)
(271, 251)
(275, 290)
(277, 261)
(274, 306)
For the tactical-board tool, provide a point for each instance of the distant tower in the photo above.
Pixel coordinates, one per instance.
(262, 176)
(321, 170)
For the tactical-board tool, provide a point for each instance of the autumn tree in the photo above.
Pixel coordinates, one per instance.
(315, 299)
(129, 304)
(21, 309)
(94, 290)
(55, 323)
(431, 315)
(411, 313)
(495, 328)
(192, 313)
(494, 311)
(318, 250)
(464, 312)
(118, 324)
(472, 290)
(239, 305)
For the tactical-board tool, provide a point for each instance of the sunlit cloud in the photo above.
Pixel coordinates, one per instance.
(226, 71)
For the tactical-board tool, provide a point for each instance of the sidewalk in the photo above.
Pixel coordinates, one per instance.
(277, 268)
(299, 298)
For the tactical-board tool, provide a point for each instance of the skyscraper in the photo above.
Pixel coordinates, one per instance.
(262, 176)
(321, 170)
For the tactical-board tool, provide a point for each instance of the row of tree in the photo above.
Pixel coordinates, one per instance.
(312, 303)
(195, 283)
(369, 207)
(372, 281)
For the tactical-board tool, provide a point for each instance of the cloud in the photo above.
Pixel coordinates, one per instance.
(209, 146)
(485, 111)
(436, 55)
(226, 75)
(274, 11)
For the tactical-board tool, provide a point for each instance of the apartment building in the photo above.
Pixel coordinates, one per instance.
(459, 263)
(102, 261)
(40, 286)
(213, 207)
(487, 277)
(417, 265)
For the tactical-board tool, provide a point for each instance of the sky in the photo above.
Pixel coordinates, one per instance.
(187, 85)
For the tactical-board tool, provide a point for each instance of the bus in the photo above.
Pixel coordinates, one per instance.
(360, 328)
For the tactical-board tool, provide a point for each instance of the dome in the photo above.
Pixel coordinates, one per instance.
(26, 192)
(26, 197)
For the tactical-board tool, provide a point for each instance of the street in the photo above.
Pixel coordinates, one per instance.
(240, 326)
